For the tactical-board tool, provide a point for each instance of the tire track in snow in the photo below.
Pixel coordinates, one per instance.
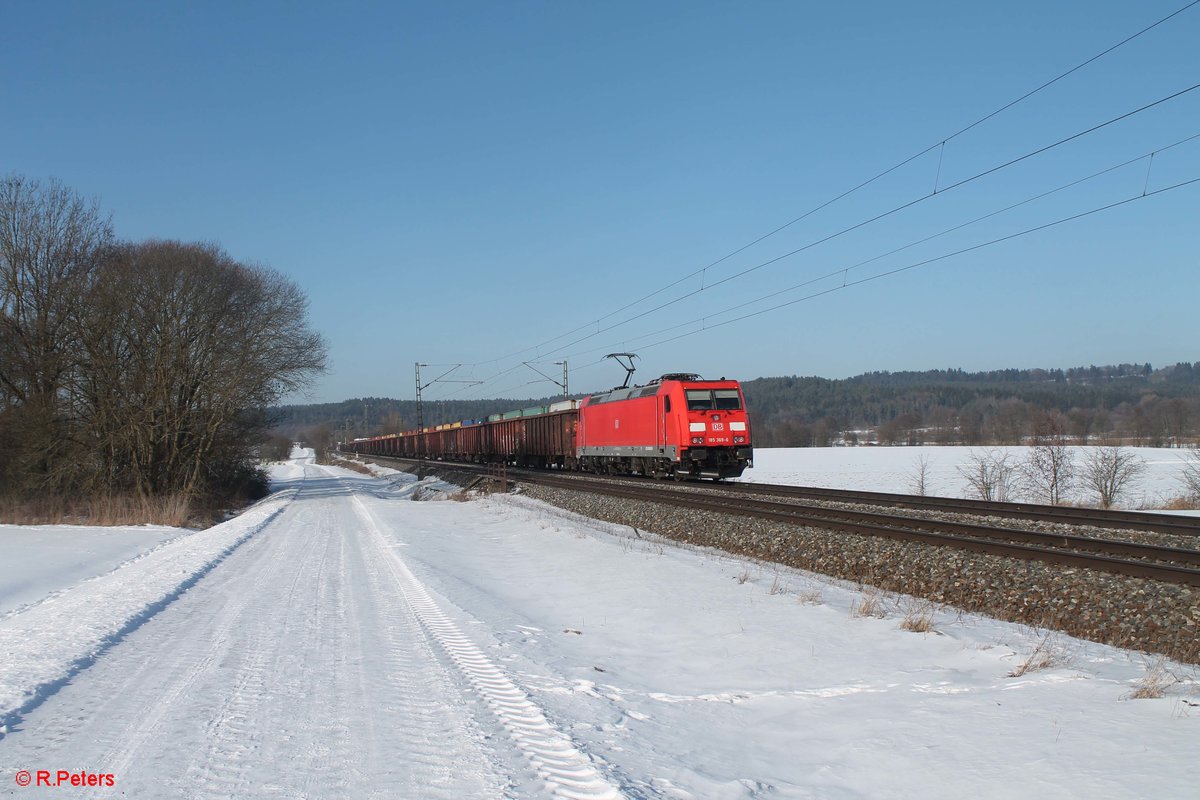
(131, 741)
(232, 735)
(281, 656)
(413, 695)
(298, 670)
(567, 772)
(308, 691)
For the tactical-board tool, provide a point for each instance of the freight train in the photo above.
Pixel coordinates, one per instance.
(679, 426)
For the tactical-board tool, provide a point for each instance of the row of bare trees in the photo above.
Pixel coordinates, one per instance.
(1048, 474)
(141, 368)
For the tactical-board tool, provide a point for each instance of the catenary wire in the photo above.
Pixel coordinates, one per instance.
(849, 229)
(926, 262)
(852, 190)
(876, 218)
(898, 270)
(845, 270)
(598, 330)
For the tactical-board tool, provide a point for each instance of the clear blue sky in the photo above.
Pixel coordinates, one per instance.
(455, 182)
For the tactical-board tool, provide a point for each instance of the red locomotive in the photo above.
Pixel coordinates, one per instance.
(678, 426)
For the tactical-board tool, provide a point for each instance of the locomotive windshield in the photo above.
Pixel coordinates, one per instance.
(708, 399)
(727, 399)
(699, 399)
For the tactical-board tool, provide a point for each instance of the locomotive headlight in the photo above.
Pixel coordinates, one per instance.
(739, 440)
(697, 440)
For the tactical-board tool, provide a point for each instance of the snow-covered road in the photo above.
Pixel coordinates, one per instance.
(357, 644)
(307, 665)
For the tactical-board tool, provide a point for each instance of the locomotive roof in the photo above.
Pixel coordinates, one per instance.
(651, 388)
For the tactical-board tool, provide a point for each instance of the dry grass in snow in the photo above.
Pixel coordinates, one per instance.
(871, 605)
(174, 510)
(918, 617)
(1155, 682)
(1045, 655)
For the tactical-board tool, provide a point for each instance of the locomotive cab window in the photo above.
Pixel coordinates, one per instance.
(727, 400)
(699, 399)
(667, 405)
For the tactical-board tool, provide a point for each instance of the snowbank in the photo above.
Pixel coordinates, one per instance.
(46, 643)
(39, 560)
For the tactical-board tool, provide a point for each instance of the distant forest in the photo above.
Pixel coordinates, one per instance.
(1127, 403)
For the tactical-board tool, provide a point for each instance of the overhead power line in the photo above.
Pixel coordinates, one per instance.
(849, 229)
(928, 261)
(844, 271)
(908, 267)
(595, 328)
(876, 218)
(940, 143)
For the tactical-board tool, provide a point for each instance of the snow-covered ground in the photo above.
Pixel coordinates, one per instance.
(341, 640)
(42, 559)
(894, 469)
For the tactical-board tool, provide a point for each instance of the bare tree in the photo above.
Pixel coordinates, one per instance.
(51, 241)
(914, 434)
(823, 432)
(1111, 472)
(919, 480)
(944, 423)
(971, 420)
(1048, 471)
(320, 439)
(1190, 477)
(890, 433)
(183, 348)
(991, 475)
(276, 448)
(1083, 422)
(1009, 423)
(1176, 415)
(135, 368)
(1145, 423)
(393, 423)
(902, 429)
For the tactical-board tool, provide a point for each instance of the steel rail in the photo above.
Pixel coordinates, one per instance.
(1061, 540)
(789, 514)
(1095, 517)
(964, 536)
(1065, 515)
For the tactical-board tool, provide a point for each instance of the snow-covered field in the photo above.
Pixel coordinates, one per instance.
(894, 469)
(340, 641)
(42, 559)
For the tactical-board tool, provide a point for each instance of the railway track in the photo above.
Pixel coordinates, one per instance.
(1135, 559)
(1094, 517)
(1171, 564)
